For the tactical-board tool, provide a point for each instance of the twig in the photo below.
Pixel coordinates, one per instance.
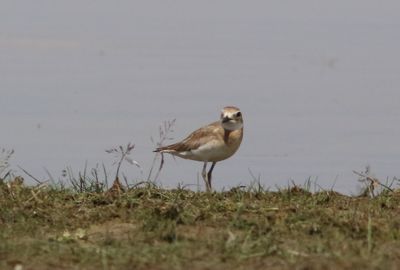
(372, 180)
(163, 131)
(30, 175)
(159, 168)
(123, 154)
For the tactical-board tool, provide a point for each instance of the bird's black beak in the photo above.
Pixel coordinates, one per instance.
(225, 119)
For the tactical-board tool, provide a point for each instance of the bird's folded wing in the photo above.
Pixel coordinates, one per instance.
(196, 139)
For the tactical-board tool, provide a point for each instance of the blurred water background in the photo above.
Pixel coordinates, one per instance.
(318, 84)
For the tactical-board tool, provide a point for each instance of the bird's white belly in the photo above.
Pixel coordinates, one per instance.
(209, 152)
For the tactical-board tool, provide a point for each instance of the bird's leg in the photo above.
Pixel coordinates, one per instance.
(209, 175)
(205, 176)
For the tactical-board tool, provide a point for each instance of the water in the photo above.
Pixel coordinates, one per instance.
(318, 85)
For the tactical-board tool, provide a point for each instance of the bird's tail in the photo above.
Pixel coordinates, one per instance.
(167, 149)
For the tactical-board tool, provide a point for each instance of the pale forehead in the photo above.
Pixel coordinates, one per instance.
(230, 109)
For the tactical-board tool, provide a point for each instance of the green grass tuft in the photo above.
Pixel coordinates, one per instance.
(147, 227)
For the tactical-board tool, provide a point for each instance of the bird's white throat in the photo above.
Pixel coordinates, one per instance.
(232, 125)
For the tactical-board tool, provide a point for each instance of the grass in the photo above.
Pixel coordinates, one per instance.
(147, 227)
(79, 223)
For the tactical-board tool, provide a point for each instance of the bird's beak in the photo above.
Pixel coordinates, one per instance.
(225, 119)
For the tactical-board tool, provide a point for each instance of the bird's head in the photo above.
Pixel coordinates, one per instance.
(231, 118)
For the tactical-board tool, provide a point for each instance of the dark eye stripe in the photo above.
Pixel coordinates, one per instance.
(238, 114)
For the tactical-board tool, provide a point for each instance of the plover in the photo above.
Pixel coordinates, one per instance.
(212, 143)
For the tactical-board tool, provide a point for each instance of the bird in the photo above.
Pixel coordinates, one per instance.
(211, 143)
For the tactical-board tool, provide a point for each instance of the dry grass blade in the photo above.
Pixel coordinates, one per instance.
(30, 175)
(122, 154)
(371, 182)
(163, 132)
(5, 156)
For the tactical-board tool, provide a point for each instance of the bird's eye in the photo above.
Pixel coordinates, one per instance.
(238, 114)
